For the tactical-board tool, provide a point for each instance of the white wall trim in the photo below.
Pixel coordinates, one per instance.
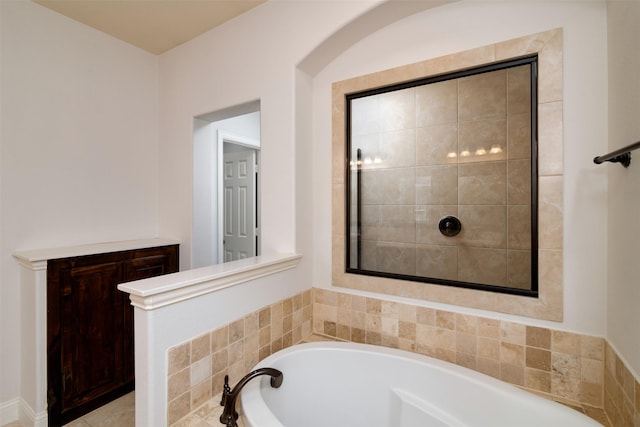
(29, 258)
(9, 411)
(156, 292)
(17, 409)
(28, 417)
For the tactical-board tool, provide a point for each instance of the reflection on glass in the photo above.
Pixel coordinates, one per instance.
(460, 145)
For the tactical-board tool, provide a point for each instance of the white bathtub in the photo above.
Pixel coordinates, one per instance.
(347, 385)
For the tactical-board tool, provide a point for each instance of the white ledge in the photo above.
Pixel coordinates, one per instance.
(160, 291)
(27, 257)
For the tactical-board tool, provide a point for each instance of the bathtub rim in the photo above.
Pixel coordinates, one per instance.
(251, 396)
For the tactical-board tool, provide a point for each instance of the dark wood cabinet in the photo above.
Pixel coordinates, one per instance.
(90, 347)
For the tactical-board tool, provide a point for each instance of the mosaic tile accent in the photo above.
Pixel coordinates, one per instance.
(196, 368)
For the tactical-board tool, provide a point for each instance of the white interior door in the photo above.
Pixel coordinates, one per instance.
(239, 192)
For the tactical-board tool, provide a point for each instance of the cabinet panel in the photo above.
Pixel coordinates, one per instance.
(93, 314)
(150, 263)
(90, 327)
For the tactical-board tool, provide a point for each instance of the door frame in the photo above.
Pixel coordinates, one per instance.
(254, 144)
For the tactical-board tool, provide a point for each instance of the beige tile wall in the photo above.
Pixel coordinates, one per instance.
(621, 391)
(196, 368)
(563, 364)
(569, 367)
(412, 176)
(580, 370)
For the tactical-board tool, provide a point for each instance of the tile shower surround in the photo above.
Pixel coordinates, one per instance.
(568, 367)
(548, 46)
(418, 178)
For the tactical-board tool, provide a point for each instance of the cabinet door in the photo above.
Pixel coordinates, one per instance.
(92, 341)
(90, 354)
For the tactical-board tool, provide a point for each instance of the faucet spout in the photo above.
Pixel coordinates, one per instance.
(229, 396)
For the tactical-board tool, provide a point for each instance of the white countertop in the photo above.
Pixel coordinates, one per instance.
(36, 255)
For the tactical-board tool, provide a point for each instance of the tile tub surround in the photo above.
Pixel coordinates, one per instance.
(196, 368)
(563, 366)
(209, 413)
(581, 371)
(621, 391)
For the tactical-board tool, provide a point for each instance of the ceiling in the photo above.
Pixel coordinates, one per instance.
(153, 25)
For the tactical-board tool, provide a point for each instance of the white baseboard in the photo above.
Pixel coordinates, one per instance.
(9, 411)
(18, 410)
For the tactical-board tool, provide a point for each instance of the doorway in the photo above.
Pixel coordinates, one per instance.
(215, 135)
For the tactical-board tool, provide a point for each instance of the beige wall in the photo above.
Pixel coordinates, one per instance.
(623, 284)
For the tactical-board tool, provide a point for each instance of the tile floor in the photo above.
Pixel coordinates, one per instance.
(208, 415)
(119, 413)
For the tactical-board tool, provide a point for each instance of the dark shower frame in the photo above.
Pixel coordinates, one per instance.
(531, 60)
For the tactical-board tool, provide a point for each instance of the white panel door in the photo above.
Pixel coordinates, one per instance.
(239, 205)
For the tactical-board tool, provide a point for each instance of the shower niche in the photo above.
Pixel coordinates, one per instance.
(441, 179)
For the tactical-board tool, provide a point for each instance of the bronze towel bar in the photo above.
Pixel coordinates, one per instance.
(622, 155)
